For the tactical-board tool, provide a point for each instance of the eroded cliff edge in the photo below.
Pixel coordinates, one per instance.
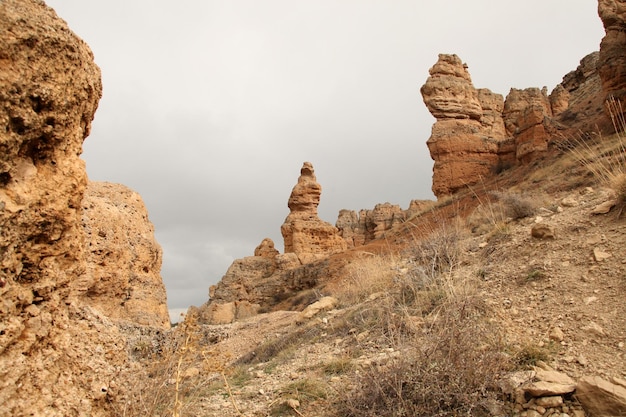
(61, 352)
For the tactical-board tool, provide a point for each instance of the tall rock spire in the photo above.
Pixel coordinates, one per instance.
(305, 234)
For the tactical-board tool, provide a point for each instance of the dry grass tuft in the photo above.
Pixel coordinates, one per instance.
(452, 369)
(604, 157)
(175, 379)
(365, 276)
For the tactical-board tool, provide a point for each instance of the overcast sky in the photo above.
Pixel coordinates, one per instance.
(211, 107)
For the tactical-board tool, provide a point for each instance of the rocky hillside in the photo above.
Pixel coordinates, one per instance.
(503, 297)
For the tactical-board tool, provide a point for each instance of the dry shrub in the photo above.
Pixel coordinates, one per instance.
(365, 276)
(605, 157)
(451, 362)
(516, 206)
(437, 256)
(450, 370)
(172, 380)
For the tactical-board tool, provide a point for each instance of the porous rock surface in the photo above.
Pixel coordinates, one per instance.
(464, 141)
(123, 277)
(59, 356)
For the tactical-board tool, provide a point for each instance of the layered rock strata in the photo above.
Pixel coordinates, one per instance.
(465, 140)
(305, 234)
(477, 133)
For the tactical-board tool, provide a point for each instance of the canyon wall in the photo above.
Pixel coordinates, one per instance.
(60, 355)
(122, 277)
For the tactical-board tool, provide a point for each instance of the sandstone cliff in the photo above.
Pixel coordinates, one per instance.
(123, 259)
(59, 356)
(478, 133)
(465, 142)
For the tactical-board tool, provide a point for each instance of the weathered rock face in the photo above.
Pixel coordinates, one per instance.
(601, 397)
(526, 116)
(478, 133)
(123, 259)
(49, 91)
(305, 234)
(58, 355)
(612, 58)
(465, 140)
(266, 249)
(259, 282)
(367, 225)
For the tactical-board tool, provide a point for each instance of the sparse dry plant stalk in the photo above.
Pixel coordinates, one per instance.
(605, 157)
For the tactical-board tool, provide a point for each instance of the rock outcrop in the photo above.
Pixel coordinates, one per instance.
(59, 356)
(477, 133)
(465, 140)
(612, 58)
(527, 115)
(123, 259)
(260, 282)
(360, 228)
(305, 234)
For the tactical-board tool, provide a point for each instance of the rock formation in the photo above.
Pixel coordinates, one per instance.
(360, 228)
(477, 133)
(305, 234)
(465, 140)
(123, 259)
(526, 117)
(59, 356)
(612, 58)
(259, 282)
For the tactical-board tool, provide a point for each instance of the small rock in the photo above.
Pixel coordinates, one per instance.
(589, 300)
(594, 329)
(582, 360)
(603, 208)
(569, 202)
(292, 402)
(599, 255)
(191, 372)
(542, 231)
(557, 334)
(549, 402)
(601, 397)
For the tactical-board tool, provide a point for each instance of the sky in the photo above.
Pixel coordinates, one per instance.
(210, 107)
